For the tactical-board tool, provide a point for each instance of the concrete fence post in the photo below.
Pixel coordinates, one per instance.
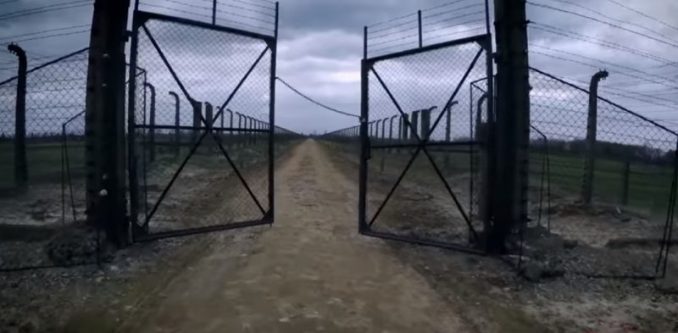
(209, 120)
(425, 123)
(20, 158)
(415, 124)
(626, 173)
(591, 132)
(239, 132)
(197, 112)
(209, 114)
(151, 124)
(177, 123)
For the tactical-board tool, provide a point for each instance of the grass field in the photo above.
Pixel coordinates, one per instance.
(44, 162)
(648, 185)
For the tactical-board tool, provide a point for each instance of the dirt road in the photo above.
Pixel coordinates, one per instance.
(310, 272)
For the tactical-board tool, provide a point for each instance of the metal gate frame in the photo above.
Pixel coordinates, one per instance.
(139, 231)
(367, 66)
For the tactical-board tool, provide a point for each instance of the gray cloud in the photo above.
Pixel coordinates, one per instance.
(320, 49)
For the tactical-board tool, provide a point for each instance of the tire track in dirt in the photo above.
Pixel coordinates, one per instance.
(310, 272)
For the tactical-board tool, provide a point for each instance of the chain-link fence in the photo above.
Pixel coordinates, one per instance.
(345, 139)
(285, 141)
(42, 194)
(202, 139)
(628, 164)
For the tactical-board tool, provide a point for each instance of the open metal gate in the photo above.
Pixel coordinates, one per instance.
(201, 126)
(422, 145)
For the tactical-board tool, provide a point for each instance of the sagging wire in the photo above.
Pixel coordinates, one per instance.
(313, 100)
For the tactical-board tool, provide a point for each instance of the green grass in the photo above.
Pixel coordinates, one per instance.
(648, 187)
(44, 162)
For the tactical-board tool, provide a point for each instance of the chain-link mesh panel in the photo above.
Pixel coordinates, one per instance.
(479, 162)
(347, 140)
(54, 93)
(628, 164)
(74, 169)
(8, 92)
(42, 225)
(201, 127)
(424, 192)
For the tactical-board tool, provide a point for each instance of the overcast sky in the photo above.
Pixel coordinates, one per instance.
(320, 46)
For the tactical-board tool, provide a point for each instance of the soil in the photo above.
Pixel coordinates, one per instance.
(312, 271)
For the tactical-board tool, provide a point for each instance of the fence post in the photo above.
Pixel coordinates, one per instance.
(421, 34)
(390, 131)
(209, 119)
(425, 123)
(230, 121)
(222, 116)
(415, 124)
(230, 125)
(20, 159)
(177, 123)
(448, 130)
(512, 122)
(197, 111)
(482, 132)
(448, 121)
(404, 128)
(383, 128)
(390, 128)
(625, 183)
(209, 114)
(364, 137)
(151, 130)
(251, 127)
(591, 131)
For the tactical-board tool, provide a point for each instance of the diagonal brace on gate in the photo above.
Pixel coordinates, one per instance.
(421, 146)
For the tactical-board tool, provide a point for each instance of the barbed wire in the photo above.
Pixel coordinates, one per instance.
(46, 9)
(459, 23)
(667, 81)
(455, 10)
(6, 38)
(643, 14)
(592, 40)
(379, 33)
(618, 21)
(63, 34)
(594, 19)
(217, 10)
(230, 21)
(391, 20)
(452, 3)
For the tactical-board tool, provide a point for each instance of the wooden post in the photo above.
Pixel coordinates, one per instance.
(513, 120)
(105, 120)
